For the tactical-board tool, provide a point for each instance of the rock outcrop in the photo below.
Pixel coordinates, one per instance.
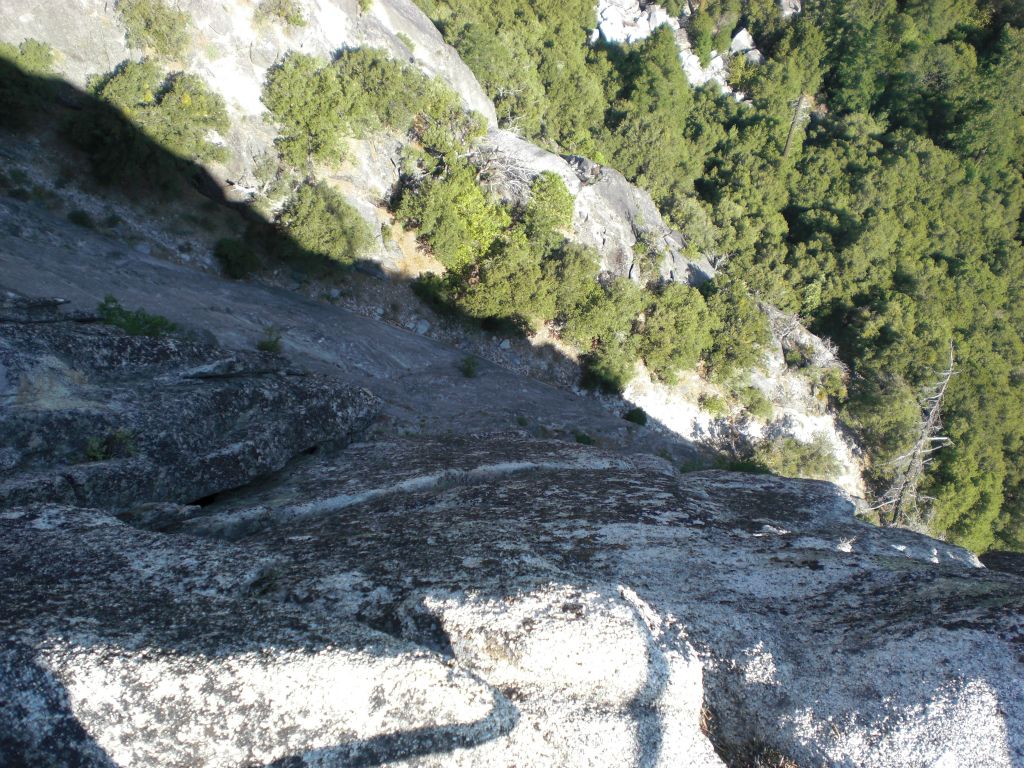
(483, 600)
(94, 416)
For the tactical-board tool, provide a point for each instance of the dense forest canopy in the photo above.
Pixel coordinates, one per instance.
(871, 182)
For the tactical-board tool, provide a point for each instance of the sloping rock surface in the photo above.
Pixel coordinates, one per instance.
(94, 416)
(487, 600)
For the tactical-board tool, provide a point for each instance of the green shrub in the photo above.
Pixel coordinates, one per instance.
(176, 112)
(270, 341)
(572, 273)
(636, 415)
(469, 367)
(435, 291)
(454, 217)
(702, 30)
(609, 367)
(714, 405)
(118, 444)
(789, 457)
(548, 212)
(306, 100)
(152, 24)
(406, 40)
(584, 439)
(30, 56)
(609, 314)
(365, 5)
(22, 84)
(236, 258)
(286, 11)
(743, 329)
(508, 284)
(81, 218)
(797, 356)
(320, 222)
(133, 322)
(317, 103)
(755, 402)
(831, 384)
(677, 332)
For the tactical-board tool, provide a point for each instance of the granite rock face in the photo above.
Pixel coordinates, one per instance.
(91, 415)
(476, 601)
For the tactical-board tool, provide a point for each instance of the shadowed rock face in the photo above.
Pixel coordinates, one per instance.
(94, 416)
(476, 601)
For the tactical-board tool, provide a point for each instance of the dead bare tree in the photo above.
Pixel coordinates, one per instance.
(903, 504)
(503, 174)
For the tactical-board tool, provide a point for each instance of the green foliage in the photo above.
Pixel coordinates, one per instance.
(454, 217)
(81, 218)
(609, 366)
(237, 258)
(830, 384)
(306, 100)
(270, 341)
(30, 56)
(145, 118)
(23, 87)
(532, 59)
(714, 405)
(469, 367)
(319, 222)
(548, 212)
(755, 403)
(572, 273)
(702, 29)
(636, 415)
(742, 328)
(152, 24)
(133, 322)
(286, 11)
(647, 142)
(678, 331)
(508, 283)
(583, 438)
(317, 103)
(117, 444)
(789, 457)
(608, 314)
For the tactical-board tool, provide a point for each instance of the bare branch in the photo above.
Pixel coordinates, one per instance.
(902, 504)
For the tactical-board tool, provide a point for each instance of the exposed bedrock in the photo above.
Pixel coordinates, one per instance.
(477, 600)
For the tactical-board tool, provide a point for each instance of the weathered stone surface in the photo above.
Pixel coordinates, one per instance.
(476, 601)
(91, 415)
(504, 601)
